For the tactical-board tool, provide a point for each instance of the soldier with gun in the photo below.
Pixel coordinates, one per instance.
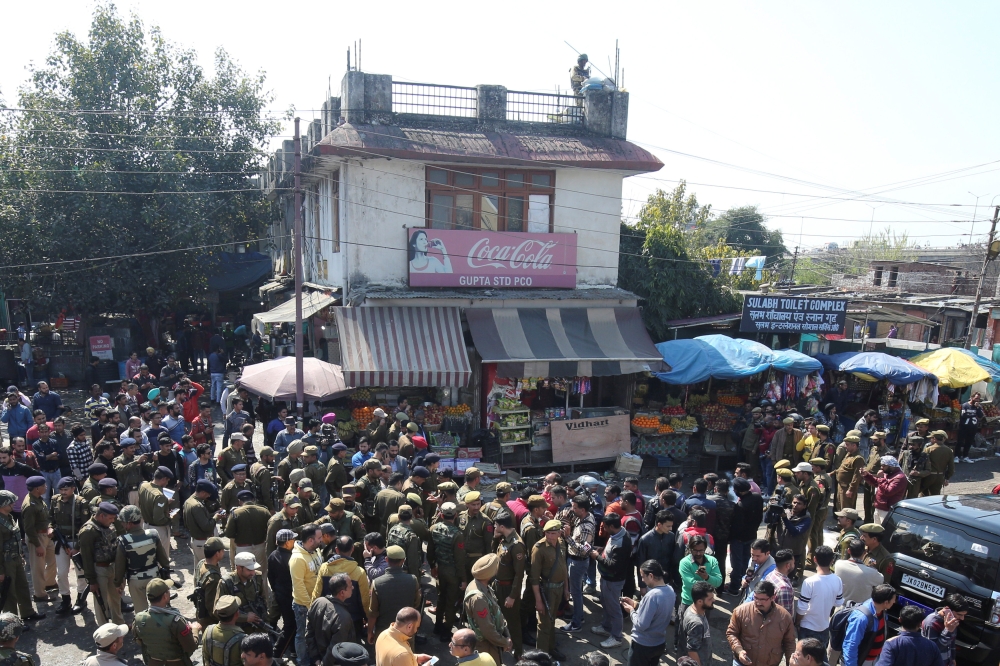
(199, 519)
(166, 638)
(14, 595)
(139, 556)
(220, 644)
(246, 584)
(207, 577)
(68, 514)
(42, 552)
(98, 542)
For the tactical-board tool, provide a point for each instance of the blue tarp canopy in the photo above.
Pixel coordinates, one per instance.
(989, 366)
(882, 366)
(229, 271)
(833, 361)
(722, 357)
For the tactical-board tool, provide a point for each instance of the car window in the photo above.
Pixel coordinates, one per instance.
(945, 546)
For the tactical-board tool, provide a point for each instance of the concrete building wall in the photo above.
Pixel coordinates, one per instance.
(589, 203)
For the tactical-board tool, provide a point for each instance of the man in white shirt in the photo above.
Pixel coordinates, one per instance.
(859, 579)
(819, 595)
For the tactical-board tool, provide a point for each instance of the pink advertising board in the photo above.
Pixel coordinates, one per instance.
(490, 259)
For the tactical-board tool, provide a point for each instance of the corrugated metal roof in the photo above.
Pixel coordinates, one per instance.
(486, 148)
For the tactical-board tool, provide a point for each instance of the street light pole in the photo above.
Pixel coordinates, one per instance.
(297, 249)
(987, 258)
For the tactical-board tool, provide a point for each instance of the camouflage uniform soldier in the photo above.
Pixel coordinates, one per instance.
(11, 628)
(446, 555)
(140, 556)
(12, 565)
(402, 535)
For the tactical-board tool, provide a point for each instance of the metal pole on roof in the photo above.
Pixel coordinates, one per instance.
(982, 276)
(297, 242)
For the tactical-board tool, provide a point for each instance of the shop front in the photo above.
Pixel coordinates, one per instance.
(557, 382)
(277, 326)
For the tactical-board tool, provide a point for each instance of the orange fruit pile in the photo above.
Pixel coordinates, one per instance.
(646, 422)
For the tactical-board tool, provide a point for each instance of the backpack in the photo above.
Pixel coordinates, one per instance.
(838, 626)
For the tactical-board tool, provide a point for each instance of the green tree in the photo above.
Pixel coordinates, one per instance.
(657, 264)
(127, 146)
(743, 229)
(855, 259)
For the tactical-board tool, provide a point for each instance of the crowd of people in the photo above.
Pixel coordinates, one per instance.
(301, 550)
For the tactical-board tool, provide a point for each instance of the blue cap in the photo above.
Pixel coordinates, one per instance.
(97, 468)
(339, 446)
(107, 482)
(165, 470)
(432, 458)
(35, 482)
(239, 468)
(245, 495)
(108, 507)
(66, 482)
(422, 472)
(206, 486)
(127, 441)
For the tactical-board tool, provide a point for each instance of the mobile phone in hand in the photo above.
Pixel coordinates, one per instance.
(433, 661)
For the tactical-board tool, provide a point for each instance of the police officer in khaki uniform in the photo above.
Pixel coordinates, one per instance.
(286, 519)
(247, 530)
(510, 577)
(68, 513)
(848, 473)
(876, 555)
(129, 469)
(315, 471)
(391, 592)
(220, 644)
(156, 506)
(473, 477)
(847, 520)
(108, 489)
(199, 519)
(388, 501)
(292, 462)
(311, 505)
(41, 548)
(940, 464)
(207, 576)
(498, 506)
(140, 556)
(12, 562)
(336, 473)
(98, 543)
(345, 522)
(263, 479)
(477, 530)
(877, 449)
(810, 490)
(446, 555)
(231, 456)
(228, 496)
(166, 638)
(548, 580)
(913, 462)
(825, 485)
(95, 473)
(482, 611)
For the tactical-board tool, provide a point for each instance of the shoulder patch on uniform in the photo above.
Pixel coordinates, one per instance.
(489, 527)
(460, 544)
(520, 556)
(482, 613)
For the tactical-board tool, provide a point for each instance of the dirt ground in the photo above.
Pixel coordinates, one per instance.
(62, 641)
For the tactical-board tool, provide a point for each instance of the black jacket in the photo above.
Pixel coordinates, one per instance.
(747, 517)
(615, 563)
(279, 577)
(659, 547)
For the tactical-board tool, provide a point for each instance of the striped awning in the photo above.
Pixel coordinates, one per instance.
(402, 346)
(563, 342)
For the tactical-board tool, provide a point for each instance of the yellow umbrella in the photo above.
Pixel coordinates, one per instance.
(953, 368)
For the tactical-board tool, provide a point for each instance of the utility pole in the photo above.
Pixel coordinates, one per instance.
(297, 249)
(791, 280)
(982, 277)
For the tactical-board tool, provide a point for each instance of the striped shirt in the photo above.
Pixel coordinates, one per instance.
(582, 537)
(80, 457)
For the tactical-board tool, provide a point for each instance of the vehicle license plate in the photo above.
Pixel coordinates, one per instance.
(931, 589)
(906, 601)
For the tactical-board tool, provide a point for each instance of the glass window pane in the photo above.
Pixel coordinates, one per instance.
(489, 205)
(441, 206)
(491, 179)
(515, 214)
(438, 176)
(515, 180)
(464, 180)
(541, 180)
(538, 213)
(463, 211)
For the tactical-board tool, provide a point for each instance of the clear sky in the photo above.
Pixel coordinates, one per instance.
(893, 101)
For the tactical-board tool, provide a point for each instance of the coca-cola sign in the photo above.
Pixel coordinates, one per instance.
(490, 259)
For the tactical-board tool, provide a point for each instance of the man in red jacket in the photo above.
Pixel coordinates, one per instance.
(190, 408)
(890, 486)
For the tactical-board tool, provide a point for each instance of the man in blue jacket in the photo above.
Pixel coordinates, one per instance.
(47, 401)
(865, 634)
(17, 417)
(909, 648)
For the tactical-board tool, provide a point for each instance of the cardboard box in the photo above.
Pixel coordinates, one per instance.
(470, 452)
(462, 464)
(447, 463)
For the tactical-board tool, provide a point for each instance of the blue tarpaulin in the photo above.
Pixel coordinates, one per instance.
(722, 357)
(833, 361)
(882, 366)
(229, 271)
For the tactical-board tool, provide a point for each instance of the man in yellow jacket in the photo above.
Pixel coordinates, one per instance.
(360, 601)
(304, 569)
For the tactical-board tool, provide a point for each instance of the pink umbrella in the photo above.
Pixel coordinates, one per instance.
(275, 380)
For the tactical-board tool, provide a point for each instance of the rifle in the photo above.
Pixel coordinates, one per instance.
(100, 601)
(269, 630)
(4, 591)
